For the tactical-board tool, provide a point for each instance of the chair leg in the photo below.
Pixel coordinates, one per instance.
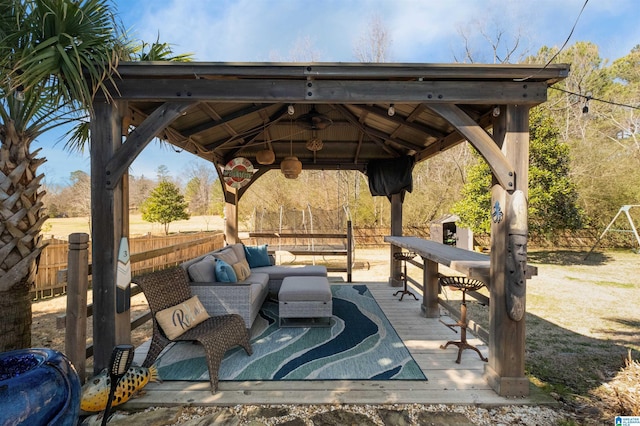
(462, 344)
(231, 333)
(156, 346)
(404, 290)
(246, 344)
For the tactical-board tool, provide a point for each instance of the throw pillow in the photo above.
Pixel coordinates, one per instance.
(257, 256)
(203, 271)
(225, 273)
(174, 321)
(242, 270)
(227, 254)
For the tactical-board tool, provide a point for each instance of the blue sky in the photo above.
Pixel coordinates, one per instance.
(419, 30)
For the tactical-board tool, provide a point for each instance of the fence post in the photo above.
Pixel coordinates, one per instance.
(77, 284)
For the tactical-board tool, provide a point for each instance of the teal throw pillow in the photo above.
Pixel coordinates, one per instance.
(257, 256)
(225, 273)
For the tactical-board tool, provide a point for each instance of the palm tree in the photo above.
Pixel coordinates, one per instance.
(54, 56)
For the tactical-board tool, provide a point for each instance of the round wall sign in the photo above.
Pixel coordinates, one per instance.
(237, 172)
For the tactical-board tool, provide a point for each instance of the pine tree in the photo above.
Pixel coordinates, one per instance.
(552, 195)
(165, 205)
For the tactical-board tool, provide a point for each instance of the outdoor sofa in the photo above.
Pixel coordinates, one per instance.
(239, 278)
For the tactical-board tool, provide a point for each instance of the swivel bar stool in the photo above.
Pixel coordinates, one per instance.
(403, 257)
(463, 284)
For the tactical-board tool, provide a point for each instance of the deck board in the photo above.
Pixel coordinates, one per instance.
(448, 382)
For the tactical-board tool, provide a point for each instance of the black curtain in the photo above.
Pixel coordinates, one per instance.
(393, 176)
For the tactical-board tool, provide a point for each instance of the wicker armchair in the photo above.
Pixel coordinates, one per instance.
(170, 287)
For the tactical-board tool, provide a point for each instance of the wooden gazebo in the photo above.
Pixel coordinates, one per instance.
(362, 113)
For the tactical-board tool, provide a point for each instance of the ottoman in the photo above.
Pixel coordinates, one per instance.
(305, 302)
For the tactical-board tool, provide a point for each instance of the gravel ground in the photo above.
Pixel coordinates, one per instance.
(324, 415)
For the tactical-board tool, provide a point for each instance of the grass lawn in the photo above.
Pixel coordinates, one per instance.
(62, 227)
(582, 323)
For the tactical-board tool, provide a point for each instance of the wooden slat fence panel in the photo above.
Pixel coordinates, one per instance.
(54, 257)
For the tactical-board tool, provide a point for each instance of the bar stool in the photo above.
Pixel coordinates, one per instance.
(403, 257)
(463, 284)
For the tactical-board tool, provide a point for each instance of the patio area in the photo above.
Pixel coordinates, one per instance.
(448, 383)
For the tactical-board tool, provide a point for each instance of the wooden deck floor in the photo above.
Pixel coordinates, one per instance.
(448, 382)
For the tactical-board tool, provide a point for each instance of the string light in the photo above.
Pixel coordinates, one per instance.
(588, 98)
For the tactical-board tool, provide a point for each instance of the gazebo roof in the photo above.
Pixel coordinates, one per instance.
(230, 110)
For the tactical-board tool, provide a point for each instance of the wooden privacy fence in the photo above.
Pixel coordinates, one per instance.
(53, 260)
(54, 256)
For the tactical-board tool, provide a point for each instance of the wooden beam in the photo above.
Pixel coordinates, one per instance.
(222, 121)
(270, 121)
(140, 138)
(451, 140)
(524, 72)
(401, 121)
(354, 120)
(334, 91)
(174, 137)
(481, 140)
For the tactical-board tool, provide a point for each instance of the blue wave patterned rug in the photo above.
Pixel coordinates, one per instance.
(361, 344)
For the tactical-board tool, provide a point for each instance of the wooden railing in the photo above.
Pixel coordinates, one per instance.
(312, 244)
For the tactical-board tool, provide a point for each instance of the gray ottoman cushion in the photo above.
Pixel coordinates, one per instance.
(305, 297)
(307, 289)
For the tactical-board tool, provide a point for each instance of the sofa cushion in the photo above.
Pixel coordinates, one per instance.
(227, 254)
(257, 256)
(238, 249)
(241, 269)
(279, 272)
(175, 320)
(204, 270)
(225, 272)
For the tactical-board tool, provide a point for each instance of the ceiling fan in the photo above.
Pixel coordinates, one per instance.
(313, 120)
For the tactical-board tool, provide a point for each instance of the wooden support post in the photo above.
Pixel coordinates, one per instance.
(505, 369)
(430, 308)
(349, 251)
(396, 231)
(75, 337)
(108, 207)
(231, 223)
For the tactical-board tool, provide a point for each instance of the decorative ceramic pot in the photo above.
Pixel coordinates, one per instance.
(38, 387)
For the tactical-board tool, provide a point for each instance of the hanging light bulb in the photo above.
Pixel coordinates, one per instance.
(391, 111)
(291, 110)
(585, 108)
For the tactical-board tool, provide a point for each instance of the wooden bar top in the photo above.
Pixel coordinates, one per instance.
(438, 252)
(470, 263)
